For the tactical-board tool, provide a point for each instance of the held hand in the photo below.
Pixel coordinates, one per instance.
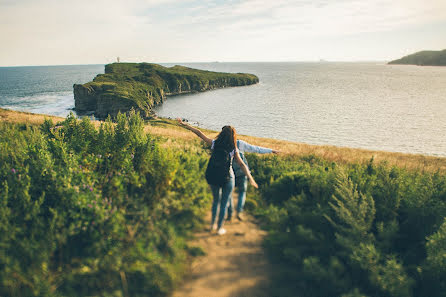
(253, 183)
(180, 122)
(276, 152)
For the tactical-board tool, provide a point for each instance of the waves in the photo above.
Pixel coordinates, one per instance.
(53, 103)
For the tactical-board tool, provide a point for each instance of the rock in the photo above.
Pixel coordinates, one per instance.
(142, 86)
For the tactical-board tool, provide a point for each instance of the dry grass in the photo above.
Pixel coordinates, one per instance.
(175, 136)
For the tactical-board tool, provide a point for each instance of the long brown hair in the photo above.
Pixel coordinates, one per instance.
(227, 138)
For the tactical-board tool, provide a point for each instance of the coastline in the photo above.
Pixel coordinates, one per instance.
(168, 130)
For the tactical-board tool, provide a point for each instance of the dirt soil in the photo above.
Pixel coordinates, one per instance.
(235, 264)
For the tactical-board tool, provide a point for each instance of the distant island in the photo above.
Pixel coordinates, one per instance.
(142, 86)
(423, 58)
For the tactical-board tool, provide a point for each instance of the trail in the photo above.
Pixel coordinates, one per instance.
(235, 264)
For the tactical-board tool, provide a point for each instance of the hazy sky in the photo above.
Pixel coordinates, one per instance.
(52, 32)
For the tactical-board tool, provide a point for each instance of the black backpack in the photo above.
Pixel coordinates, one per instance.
(217, 172)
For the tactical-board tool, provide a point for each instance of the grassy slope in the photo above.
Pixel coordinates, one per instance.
(174, 135)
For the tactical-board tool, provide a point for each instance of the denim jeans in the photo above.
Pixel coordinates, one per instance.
(241, 182)
(221, 196)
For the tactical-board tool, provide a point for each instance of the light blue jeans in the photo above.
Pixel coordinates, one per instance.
(221, 196)
(241, 182)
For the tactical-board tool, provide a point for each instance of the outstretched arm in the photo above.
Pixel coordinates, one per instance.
(249, 148)
(196, 131)
(245, 169)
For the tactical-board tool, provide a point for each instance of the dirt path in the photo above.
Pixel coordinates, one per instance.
(235, 264)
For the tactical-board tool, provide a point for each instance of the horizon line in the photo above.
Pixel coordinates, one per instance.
(204, 62)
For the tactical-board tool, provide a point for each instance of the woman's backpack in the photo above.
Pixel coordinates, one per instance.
(217, 172)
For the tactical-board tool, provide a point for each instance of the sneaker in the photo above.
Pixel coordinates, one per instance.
(212, 228)
(221, 231)
(240, 216)
(229, 219)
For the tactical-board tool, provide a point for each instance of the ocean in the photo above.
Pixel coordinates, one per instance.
(369, 105)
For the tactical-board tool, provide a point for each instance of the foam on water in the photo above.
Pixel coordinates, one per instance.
(57, 103)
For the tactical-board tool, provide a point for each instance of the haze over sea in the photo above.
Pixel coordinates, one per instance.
(362, 105)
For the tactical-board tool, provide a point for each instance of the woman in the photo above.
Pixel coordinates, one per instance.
(225, 142)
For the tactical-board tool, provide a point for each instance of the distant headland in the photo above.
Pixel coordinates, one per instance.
(423, 58)
(142, 86)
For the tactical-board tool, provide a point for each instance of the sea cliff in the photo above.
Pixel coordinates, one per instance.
(423, 58)
(142, 86)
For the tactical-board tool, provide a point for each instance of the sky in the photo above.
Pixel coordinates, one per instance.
(60, 32)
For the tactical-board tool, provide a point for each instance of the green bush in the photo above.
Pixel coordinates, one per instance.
(336, 227)
(97, 212)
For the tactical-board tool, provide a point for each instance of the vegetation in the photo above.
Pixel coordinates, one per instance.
(142, 86)
(424, 58)
(352, 230)
(103, 209)
(95, 212)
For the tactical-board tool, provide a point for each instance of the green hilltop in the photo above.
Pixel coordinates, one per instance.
(142, 86)
(424, 58)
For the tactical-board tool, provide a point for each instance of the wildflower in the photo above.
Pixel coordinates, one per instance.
(91, 189)
(132, 155)
(13, 170)
(90, 206)
(94, 202)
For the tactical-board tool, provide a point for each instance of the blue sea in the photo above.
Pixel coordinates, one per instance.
(363, 105)
(43, 89)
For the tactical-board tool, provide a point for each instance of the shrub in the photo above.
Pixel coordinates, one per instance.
(336, 227)
(97, 212)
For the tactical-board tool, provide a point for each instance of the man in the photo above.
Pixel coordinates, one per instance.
(241, 181)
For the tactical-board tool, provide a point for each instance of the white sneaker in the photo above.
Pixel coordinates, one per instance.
(221, 231)
(212, 228)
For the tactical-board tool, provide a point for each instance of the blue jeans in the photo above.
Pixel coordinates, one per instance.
(221, 196)
(241, 182)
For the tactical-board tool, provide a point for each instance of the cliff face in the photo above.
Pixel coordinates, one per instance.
(142, 86)
(102, 100)
(423, 58)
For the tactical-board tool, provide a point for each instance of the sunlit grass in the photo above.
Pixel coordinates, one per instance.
(174, 136)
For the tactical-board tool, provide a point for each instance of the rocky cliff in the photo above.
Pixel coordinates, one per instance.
(141, 86)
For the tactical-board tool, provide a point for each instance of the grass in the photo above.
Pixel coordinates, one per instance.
(173, 135)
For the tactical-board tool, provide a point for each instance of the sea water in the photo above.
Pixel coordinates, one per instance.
(43, 89)
(362, 105)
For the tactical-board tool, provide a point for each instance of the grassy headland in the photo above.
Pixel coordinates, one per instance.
(106, 209)
(423, 58)
(141, 86)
